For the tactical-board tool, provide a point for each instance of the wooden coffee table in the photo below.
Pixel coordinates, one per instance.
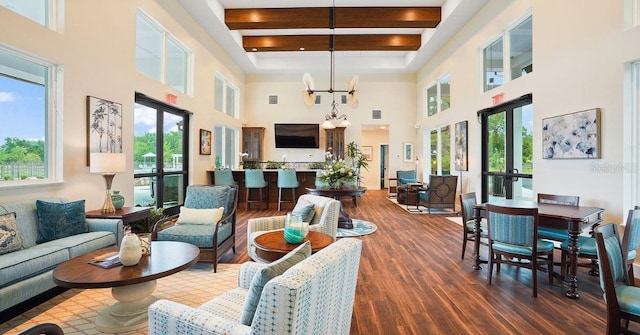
(272, 245)
(131, 286)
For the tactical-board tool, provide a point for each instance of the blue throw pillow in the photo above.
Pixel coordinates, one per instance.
(58, 220)
(408, 181)
(306, 210)
(262, 277)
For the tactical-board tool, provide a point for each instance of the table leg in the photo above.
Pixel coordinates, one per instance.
(130, 312)
(476, 244)
(574, 231)
(344, 221)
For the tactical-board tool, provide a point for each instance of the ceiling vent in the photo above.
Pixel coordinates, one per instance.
(376, 114)
(273, 100)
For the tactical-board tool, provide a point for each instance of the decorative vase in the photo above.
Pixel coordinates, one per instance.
(295, 230)
(117, 199)
(130, 250)
(145, 243)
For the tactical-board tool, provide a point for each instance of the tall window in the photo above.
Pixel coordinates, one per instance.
(35, 10)
(438, 95)
(631, 132)
(28, 153)
(508, 56)
(440, 150)
(225, 96)
(225, 146)
(160, 55)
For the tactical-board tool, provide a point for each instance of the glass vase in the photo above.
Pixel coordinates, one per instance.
(295, 230)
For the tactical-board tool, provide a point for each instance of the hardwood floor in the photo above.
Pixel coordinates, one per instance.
(412, 281)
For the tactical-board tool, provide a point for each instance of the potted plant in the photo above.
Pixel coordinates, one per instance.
(357, 160)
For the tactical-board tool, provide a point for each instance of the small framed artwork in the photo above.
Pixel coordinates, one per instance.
(572, 136)
(367, 152)
(407, 152)
(205, 142)
(104, 126)
(461, 146)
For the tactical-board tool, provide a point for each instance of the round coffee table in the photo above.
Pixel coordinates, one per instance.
(271, 246)
(131, 286)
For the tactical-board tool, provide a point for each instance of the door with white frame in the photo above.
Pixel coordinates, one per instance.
(438, 151)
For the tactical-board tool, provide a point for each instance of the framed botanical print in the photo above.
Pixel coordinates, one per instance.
(205, 142)
(407, 152)
(104, 129)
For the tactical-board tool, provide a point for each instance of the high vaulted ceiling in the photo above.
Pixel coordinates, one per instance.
(293, 36)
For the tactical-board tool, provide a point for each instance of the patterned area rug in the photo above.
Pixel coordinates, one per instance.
(421, 209)
(75, 310)
(360, 228)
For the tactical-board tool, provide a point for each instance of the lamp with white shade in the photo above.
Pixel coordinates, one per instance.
(108, 164)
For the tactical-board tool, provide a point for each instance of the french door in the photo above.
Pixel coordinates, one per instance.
(161, 154)
(507, 140)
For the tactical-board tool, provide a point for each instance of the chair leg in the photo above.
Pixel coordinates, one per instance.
(490, 274)
(260, 197)
(464, 245)
(246, 199)
(534, 269)
(279, 198)
(550, 269)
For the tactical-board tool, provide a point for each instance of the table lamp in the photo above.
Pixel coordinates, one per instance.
(108, 164)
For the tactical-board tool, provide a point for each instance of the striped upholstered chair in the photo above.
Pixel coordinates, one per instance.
(314, 296)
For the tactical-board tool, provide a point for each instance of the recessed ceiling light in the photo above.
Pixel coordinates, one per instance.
(301, 48)
(382, 127)
(254, 49)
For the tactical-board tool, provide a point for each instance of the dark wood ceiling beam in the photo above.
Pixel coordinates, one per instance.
(346, 17)
(369, 42)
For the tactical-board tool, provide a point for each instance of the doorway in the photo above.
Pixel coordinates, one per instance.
(384, 166)
(507, 141)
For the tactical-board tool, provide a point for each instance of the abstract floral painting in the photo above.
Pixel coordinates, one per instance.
(575, 135)
(104, 132)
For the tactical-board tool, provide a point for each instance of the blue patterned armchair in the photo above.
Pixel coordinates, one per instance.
(314, 296)
(213, 239)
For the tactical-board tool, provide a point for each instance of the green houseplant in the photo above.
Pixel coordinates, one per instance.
(356, 159)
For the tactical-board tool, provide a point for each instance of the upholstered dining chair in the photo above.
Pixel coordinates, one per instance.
(287, 178)
(223, 177)
(622, 298)
(254, 179)
(467, 201)
(513, 237)
(213, 238)
(555, 199)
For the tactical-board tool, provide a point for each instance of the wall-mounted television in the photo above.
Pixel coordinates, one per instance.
(297, 135)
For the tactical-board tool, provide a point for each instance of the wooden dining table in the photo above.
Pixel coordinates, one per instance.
(572, 218)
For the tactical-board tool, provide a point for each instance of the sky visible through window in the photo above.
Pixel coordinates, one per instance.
(22, 110)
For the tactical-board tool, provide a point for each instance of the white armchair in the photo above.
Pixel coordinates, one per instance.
(314, 296)
(325, 220)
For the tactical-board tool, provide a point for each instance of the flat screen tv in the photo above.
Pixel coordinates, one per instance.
(297, 135)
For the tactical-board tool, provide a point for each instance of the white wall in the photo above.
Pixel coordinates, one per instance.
(97, 52)
(374, 139)
(579, 51)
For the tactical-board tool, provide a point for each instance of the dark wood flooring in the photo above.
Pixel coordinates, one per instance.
(412, 281)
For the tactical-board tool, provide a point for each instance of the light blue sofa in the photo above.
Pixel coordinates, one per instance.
(28, 272)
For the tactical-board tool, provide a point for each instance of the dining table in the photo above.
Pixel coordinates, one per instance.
(572, 218)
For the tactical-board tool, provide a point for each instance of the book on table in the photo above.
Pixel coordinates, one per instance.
(107, 260)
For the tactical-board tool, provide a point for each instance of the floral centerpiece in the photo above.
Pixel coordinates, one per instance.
(337, 173)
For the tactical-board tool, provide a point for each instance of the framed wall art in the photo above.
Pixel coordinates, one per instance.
(104, 129)
(367, 153)
(205, 142)
(461, 143)
(572, 136)
(407, 152)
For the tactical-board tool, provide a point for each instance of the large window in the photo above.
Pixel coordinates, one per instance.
(30, 130)
(438, 95)
(160, 55)
(36, 10)
(508, 56)
(225, 96)
(440, 150)
(225, 146)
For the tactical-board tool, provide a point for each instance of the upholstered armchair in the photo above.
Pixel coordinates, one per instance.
(325, 220)
(213, 239)
(314, 296)
(441, 193)
(406, 196)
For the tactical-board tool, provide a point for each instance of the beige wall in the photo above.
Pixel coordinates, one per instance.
(97, 52)
(374, 139)
(578, 65)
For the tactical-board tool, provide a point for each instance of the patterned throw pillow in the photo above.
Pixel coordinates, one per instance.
(262, 277)
(199, 216)
(9, 238)
(306, 210)
(58, 220)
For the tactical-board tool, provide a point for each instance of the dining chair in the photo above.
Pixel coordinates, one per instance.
(254, 179)
(223, 177)
(287, 178)
(513, 237)
(467, 201)
(555, 199)
(621, 297)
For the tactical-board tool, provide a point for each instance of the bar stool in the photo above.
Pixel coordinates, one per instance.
(223, 177)
(254, 178)
(287, 178)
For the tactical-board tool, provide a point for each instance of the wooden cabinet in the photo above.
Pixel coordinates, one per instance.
(252, 142)
(334, 139)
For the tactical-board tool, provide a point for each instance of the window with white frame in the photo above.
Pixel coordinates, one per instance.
(35, 10)
(631, 13)
(225, 96)
(160, 55)
(29, 91)
(225, 146)
(509, 56)
(439, 144)
(438, 95)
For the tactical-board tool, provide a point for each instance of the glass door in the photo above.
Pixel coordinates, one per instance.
(507, 141)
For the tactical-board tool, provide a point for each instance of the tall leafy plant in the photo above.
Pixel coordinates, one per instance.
(356, 159)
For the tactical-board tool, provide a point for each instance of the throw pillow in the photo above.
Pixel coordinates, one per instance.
(58, 220)
(199, 216)
(306, 210)
(9, 238)
(262, 277)
(408, 181)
